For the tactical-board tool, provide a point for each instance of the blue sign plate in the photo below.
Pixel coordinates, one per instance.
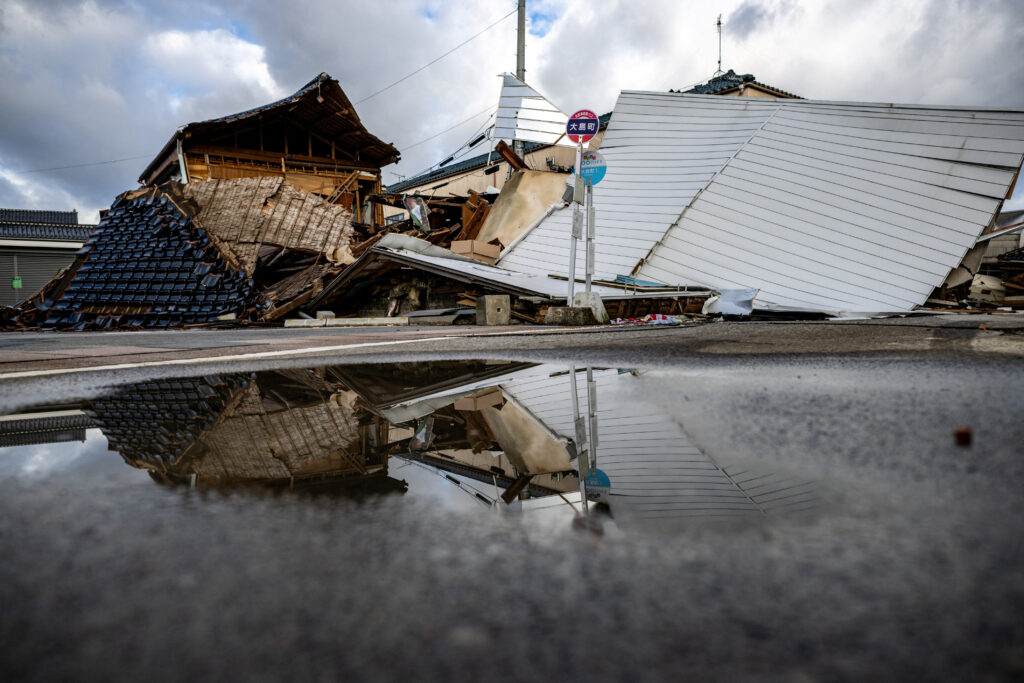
(593, 168)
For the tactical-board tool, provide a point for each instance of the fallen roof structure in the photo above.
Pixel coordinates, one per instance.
(393, 252)
(526, 115)
(312, 138)
(822, 206)
(246, 248)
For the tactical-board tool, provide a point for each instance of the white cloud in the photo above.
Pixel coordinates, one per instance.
(104, 80)
(201, 61)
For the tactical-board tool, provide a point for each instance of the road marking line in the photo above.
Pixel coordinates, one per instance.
(251, 356)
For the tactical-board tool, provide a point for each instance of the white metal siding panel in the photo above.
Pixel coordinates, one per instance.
(659, 156)
(845, 207)
(524, 114)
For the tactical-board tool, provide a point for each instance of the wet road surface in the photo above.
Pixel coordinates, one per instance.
(796, 517)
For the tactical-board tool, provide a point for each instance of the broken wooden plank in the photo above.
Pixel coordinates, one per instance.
(509, 155)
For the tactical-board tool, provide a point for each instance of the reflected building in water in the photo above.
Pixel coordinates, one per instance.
(511, 429)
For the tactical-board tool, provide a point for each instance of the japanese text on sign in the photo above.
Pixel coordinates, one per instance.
(582, 126)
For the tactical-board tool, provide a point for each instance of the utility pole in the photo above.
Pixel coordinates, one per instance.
(718, 25)
(518, 145)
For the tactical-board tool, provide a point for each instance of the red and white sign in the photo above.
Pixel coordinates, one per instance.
(581, 126)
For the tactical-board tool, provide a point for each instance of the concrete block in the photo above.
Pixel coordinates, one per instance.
(493, 309)
(304, 322)
(326, 315)
(594, 303)
(570, 315)
(365, 322)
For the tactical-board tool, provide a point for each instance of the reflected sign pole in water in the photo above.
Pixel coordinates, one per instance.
(581, 438)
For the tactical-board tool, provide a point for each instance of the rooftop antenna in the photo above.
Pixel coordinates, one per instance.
(718, 25)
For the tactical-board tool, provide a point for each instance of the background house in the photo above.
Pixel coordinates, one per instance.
(34, 246)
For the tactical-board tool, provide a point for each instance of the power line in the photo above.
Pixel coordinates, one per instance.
(406, 77)
(372, 95)
(91, 163)
(463, 121)
(467, 120)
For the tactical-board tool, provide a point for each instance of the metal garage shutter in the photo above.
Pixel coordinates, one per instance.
(35, 266)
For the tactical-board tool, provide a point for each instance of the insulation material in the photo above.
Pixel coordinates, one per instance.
(527, 443)
(524, 199)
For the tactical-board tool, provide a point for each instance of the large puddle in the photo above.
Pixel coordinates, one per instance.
(451, 520)
(576, 441)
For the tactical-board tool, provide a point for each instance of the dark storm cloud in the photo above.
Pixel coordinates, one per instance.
(746, 18)
(755, 15)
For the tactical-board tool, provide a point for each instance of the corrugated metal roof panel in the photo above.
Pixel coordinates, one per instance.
(855, 208)
(655, 470)
(821, 205)
(524, 114)
(657, 162)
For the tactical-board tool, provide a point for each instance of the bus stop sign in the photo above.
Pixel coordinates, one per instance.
(581, 126)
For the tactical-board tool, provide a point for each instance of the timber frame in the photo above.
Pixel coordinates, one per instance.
(313, 139)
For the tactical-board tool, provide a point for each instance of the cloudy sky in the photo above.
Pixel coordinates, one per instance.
(109, 80)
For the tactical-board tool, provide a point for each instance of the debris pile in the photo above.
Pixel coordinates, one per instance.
(974, 288)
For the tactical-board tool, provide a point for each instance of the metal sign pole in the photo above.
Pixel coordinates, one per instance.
(590, 233)
(592, 419)
(577, 224)
(582, 464)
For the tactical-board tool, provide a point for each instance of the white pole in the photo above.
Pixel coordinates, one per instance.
(590, 234)
(592, 418)
(577, 222)
(582, 465)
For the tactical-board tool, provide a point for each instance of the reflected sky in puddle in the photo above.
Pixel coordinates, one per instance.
(547, 440)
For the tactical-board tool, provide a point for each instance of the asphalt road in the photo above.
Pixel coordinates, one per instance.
(909, 570)
(49, 366)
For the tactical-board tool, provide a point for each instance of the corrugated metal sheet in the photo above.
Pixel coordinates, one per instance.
(834, 206)
(524, 114)
(845, 206)
(659, 156)
(413, 251)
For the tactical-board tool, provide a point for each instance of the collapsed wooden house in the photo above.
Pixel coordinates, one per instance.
(238, 219)
(291, 428)
(312, 138)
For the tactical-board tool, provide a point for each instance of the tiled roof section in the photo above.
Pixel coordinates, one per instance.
(40, 430)
(727, 81)
(28, 231)
(156, 422)
(33, 216)
(30, 224)
(149, 265)
(471, 163)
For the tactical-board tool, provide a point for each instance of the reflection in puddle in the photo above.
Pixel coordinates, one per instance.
(531, 437)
